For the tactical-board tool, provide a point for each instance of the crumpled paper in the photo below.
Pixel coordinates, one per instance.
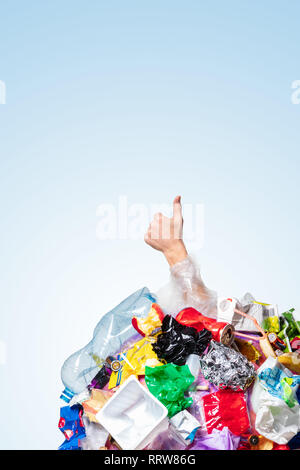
(226, 368)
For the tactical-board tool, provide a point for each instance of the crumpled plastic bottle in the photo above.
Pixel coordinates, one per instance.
(113, 329)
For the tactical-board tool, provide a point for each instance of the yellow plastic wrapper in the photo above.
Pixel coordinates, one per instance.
(133, 362)
(95, 403)
(152, 322)
(263, 444)
(271, 324)
(291, 360)
(248, 350)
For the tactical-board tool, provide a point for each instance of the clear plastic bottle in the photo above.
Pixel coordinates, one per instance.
(111, 332)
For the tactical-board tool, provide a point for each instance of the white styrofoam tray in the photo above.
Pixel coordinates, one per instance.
(133, 416)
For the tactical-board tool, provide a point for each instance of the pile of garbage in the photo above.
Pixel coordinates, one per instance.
(156, 380)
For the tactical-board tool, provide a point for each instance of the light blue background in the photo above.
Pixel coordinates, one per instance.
(148, 100)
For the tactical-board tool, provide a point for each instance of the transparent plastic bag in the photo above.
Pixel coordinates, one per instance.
(110, 334)
(168, 439)
(187, 289)
(278, 384)
(275, 420)
(258, 388)
(96, 435)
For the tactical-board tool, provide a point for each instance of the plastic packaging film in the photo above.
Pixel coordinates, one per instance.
(226, 408)
(218, 440)
(226, 368)
(168, 384)
(96, 436)
(185, 425)
(188, 280)
(276, 420)
(177, 342)
(72, 426)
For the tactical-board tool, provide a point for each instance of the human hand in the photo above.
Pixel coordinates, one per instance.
(165, 234)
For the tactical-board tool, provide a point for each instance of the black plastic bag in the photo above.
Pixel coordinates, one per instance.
(176, 342)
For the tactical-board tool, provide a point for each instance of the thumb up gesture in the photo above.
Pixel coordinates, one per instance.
(165, 234)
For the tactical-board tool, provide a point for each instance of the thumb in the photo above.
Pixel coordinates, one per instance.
(177, 209)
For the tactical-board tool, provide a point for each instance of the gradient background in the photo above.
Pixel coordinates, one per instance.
(147, 100)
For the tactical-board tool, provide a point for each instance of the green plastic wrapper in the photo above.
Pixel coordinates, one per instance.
(290, 327)
(168, 384)
(294, 328)
(286, 384)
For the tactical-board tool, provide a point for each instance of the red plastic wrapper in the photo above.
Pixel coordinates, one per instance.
(221, 331)
(226, 408)
(280, 447)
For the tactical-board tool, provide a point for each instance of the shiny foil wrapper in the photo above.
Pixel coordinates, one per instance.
(226, 368)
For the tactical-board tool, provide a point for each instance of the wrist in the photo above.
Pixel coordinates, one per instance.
(176, 253)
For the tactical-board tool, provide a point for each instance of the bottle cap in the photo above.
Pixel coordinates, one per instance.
(67, 395)
(253, 440)
(114, 364)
